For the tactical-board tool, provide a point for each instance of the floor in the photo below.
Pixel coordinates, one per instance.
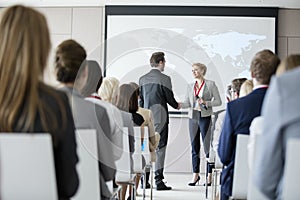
(181, 190)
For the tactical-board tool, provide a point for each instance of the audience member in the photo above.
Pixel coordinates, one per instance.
(124, 104)
(235, 91)
(246, 88)
(201, 96)
(218, 124)
(26, 103)
(281, 123)
(89, 91)
(241, 112)
(72, 72)
(258, 127)
(109, 89)
(289, 63)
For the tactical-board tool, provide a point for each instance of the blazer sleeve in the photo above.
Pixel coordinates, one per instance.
(68, 180)
(168, 93)
(216, 99)
(227, 140)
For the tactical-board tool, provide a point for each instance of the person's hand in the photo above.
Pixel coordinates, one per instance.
(179, 105)
(201, 101)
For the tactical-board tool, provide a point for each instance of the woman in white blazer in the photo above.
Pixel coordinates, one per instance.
(201, 96)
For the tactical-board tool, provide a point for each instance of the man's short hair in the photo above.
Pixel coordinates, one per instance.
(264, 65)
(156, 58)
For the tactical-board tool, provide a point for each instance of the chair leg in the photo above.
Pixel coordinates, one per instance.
(151, 177)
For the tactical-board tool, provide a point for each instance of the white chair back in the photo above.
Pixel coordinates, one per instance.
(137, 155)
(123, 165)
(145, 146)
(241, 169)
(253, 192)
(27, 167)
(291, 189)
(88, 166)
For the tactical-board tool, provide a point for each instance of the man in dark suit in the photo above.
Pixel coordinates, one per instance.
(155, 93)
(241, 112)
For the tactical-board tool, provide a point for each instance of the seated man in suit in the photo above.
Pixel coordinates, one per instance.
(241, 112)
(281, 122)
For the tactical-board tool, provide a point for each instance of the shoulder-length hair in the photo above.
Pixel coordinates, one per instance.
(127, 98)
(24, 49)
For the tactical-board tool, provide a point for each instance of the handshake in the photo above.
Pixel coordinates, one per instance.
(202, 105)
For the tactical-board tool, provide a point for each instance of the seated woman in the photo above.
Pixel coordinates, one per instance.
(127, 101)
(89, 91)
(154, 137)
(26, 103)
(72, 71)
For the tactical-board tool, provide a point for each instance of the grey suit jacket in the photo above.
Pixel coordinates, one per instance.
(88, 115)
(210, 95)
(155, 93)
(281, 122)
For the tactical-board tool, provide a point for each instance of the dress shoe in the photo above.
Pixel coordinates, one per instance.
(162, 186)
(194, 183)
(148, 186)
(208, 184)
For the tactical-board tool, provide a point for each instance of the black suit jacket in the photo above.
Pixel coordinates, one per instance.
(64, 143)
(155, 93)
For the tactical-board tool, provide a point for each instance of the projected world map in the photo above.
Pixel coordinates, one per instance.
(220, 44)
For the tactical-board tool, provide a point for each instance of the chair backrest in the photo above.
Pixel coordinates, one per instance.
(291, 170)
(145, 145)
(241, 169)
(137, 155)
(124, 164)
(27, 167)
(253, 192)
(88, 166)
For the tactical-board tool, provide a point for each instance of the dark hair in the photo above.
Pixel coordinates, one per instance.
(236, 84)
(156, 58)
(135, 87)
(127, 99)
(94, 79)
(69, 61)
(264, 65)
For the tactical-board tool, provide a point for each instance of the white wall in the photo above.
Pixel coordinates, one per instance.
(81, 24)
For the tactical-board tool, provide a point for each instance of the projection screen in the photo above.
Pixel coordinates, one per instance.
(225, 39)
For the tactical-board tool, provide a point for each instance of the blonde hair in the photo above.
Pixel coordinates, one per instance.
(24, 48)
(201, 67)
(290, 62)
(109, 89)
(246, 88)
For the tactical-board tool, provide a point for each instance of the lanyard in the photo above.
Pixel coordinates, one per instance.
(95, 97)
(195, 88)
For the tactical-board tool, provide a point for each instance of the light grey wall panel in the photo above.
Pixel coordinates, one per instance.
(282, 50)
(288, 22)
(87, 29)
(294, 45)
(59, 19)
